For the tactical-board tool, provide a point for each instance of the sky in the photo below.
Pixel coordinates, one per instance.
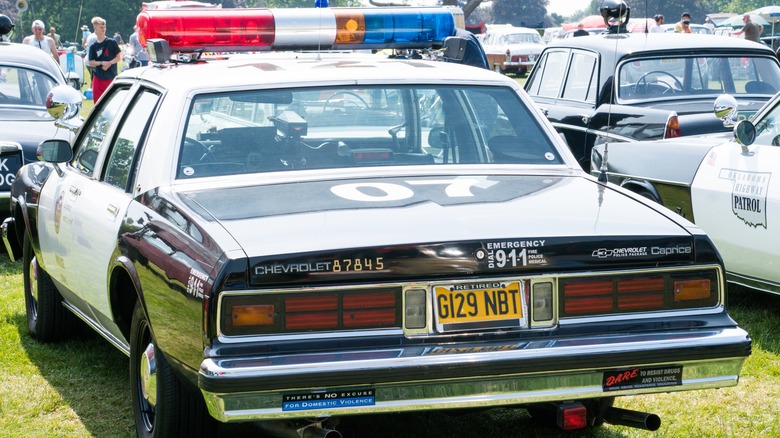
(566, 8)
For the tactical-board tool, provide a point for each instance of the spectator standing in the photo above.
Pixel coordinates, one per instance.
(89, 39)
(84, 35)
(683, 26)
(138, 50)
(56, 37)
(751, 30)
(659, 20)
(709, 25)
(41, 41)
(580, 31)
(104, 54)
(118, 38)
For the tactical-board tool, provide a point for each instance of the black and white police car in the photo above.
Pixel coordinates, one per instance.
(305, 235)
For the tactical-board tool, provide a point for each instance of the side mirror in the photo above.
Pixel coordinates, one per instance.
(745, 134)
(63, 103)
(726, 109)
(455, 48)
(54, 151)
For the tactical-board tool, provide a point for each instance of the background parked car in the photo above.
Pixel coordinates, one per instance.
(592, 31)
(732, 191)
(512, 49)
(27, 74)
(695, 28)
(666, 85)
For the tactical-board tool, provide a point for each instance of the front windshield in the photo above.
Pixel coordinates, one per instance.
(684, 77)
(337, 127)
(21, 86)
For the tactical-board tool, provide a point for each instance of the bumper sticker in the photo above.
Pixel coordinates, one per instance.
(304, 401)
(637, 378)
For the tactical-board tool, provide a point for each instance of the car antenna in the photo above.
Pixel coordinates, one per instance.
(619, 27)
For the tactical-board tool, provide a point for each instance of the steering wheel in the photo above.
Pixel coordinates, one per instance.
(208, 155)
(362, 105)
(669, 87)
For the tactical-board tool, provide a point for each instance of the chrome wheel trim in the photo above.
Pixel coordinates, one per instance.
(33, 287)
(148, 370)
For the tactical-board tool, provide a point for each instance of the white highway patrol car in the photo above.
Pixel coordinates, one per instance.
(303, 235)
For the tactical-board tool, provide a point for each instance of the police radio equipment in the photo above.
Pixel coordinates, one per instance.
(615, 12)
(6, 27)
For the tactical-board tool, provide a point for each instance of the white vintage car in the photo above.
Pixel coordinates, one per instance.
(731, 190)
(511, 49)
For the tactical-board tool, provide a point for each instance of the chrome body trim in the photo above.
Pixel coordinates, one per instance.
(408, 391)
(4, 228)
(116, 342)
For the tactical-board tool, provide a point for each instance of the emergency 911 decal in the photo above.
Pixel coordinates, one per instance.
(304, 401)
(638, 378)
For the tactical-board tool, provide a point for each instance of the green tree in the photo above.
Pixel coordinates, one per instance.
(520, 12)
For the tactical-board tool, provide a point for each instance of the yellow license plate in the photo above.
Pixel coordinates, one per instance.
(476, 303)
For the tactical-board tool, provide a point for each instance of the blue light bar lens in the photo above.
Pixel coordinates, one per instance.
(409, 27)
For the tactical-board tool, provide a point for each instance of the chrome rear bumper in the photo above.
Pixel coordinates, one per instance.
(432, 377)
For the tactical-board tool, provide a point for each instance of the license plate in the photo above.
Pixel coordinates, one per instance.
(9, 164)
(479, 305)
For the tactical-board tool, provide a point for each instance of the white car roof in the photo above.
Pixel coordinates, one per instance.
(281, 70)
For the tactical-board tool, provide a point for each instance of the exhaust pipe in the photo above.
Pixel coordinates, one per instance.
(286, 429)
(625, 417)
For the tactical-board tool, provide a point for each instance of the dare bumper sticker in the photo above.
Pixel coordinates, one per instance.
(638, 378)
(304, 401)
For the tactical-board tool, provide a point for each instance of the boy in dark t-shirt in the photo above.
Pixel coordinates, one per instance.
(104, 54)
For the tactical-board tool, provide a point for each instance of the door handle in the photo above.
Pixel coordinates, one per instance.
(585, 120)
(74, 191)
(112, 209)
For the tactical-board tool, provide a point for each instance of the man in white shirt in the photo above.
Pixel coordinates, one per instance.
(659, 20)
(41, 41)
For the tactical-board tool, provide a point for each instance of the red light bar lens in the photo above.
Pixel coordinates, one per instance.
(211, 30)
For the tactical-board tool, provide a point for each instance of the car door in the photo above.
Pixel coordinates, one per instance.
(565, 86)
(736, 200)
(93, 194)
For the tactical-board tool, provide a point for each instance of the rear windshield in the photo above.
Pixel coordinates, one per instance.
(651, 78)
(336, 127)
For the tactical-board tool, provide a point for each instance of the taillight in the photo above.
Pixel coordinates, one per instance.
(672, 128)
(572, 416)
(586, 296)
(312, 311)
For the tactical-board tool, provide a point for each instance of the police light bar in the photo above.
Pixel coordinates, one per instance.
(239, 30)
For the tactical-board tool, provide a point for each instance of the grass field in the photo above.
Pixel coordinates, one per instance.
(81, 388)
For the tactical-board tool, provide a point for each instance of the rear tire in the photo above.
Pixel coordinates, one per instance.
(47, 319)
(162, 405)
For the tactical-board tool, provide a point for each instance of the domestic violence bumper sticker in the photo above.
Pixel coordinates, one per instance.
(327, 400)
